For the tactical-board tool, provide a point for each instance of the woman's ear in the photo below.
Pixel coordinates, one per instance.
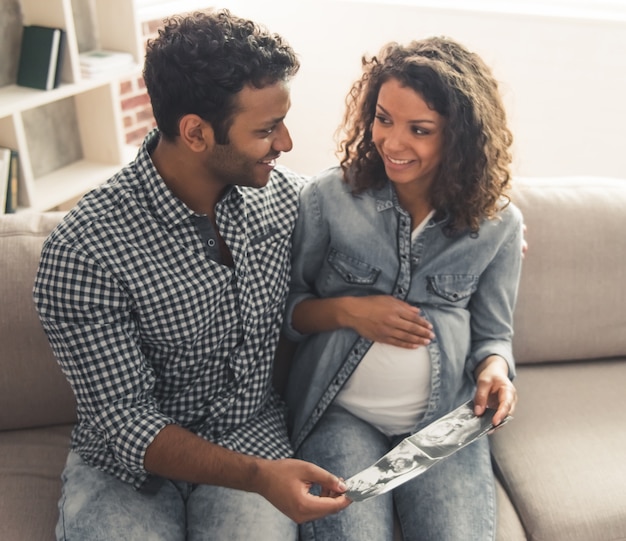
(196, 133)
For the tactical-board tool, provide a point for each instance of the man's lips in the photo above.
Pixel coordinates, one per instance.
(271, 162)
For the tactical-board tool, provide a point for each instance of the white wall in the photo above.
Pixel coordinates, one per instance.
(563, 80)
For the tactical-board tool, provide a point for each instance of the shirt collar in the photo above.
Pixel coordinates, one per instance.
(164, 205)
(387, 198)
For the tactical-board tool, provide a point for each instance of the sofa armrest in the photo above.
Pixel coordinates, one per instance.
(33, 390)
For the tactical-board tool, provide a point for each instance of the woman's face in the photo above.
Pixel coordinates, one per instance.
(408, 135)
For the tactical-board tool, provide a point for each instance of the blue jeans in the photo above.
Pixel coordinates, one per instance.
(97, 506)
(452, 501)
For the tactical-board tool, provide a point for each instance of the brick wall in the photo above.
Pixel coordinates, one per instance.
(135, 103)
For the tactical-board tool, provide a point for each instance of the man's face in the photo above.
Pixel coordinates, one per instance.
(257, 137)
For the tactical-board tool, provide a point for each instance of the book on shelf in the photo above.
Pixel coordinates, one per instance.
(100, 62)
(10, 205)
(5, 169)
(41, 57)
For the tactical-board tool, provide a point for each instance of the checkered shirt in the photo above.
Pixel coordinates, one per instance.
(151, 331)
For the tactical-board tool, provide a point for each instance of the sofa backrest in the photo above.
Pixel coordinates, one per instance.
(33, 390)
(572, 298)
(571, 305)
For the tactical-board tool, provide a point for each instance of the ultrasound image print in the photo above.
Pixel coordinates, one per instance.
(415, 454)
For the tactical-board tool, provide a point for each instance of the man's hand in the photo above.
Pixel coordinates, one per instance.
(494, 389)
(177, 453)
(383, 318)
(286, 484)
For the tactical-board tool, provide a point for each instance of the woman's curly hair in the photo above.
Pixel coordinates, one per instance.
(473, 180)
(199, 62)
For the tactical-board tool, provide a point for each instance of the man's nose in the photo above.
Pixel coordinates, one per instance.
(283, 142)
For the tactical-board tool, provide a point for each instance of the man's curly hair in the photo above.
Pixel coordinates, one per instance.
(199, 62)
(473, 180)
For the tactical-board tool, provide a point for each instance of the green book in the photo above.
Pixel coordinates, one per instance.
(41, 55)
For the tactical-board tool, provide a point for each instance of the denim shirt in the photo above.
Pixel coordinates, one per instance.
(355, 245)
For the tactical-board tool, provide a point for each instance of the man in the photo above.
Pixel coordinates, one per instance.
(162, 295)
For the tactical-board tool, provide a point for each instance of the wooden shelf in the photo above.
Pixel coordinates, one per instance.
(78, 124)
(79, 177)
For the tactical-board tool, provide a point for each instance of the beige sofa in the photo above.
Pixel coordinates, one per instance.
(561, 463)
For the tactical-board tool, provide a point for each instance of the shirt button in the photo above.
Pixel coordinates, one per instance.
(211, 243)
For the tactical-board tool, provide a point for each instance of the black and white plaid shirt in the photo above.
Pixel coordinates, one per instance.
(151, 331)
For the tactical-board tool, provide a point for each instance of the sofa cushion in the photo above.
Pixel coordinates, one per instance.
(33, 390)
(30, 476)
(561, 459)
(570, 305)
(508, 525)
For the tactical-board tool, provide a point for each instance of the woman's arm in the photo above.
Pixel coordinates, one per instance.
(380, 318)
(491, 361)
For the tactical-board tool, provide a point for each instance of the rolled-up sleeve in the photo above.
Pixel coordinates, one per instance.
(493, 303)
(87, 316)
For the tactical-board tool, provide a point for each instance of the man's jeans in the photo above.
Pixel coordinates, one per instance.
(97, 506)
(452, 501)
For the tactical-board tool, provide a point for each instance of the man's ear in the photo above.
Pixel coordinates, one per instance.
(196, 133)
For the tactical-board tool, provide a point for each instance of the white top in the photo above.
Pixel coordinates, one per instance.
(391, 386)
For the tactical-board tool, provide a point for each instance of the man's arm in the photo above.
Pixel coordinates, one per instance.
(96, 345)
(176, 453)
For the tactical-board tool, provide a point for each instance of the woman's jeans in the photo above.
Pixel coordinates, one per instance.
(454, 500)
(97, 506)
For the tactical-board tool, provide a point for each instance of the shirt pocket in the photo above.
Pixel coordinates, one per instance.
(352, 270)
(452, 289)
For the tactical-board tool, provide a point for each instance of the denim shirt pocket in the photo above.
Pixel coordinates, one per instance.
(452, 289)
(352, 270)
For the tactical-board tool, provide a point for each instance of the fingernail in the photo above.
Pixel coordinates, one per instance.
(342, 486)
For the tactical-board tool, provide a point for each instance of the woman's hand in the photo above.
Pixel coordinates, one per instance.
(380, 318)
(494, 389)
(383, 318)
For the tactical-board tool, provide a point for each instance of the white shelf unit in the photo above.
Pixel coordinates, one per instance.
(36, 122)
